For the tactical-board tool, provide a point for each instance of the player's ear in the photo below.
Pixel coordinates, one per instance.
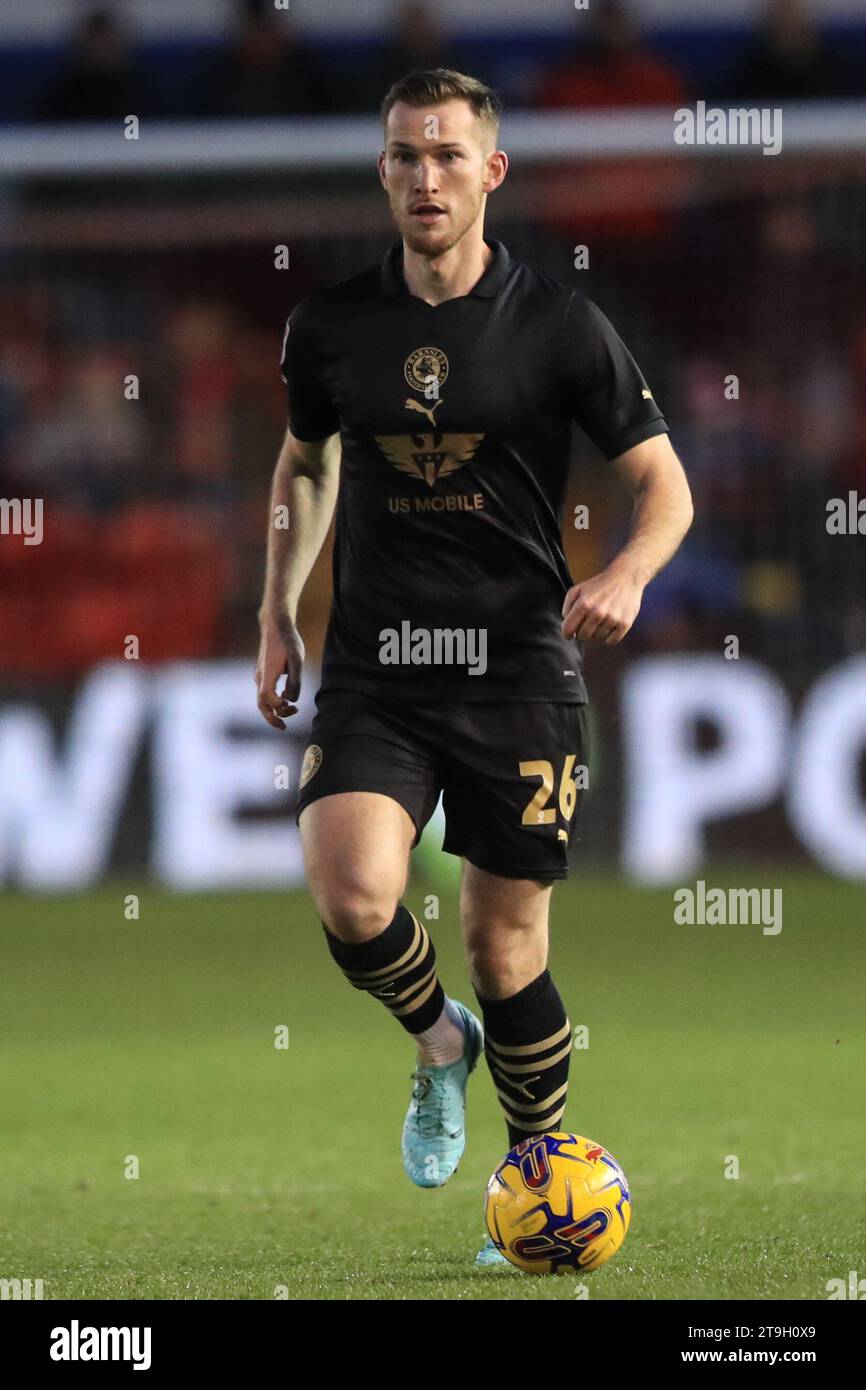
(497, 168)
(382, 178)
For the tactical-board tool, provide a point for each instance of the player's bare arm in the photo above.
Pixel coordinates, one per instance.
(304, 490)
(604, 607)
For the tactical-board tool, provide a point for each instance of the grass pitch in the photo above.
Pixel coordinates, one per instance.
(262, 1169)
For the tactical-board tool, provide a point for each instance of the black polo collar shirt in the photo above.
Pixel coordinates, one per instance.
(456, 425)
(487, 287)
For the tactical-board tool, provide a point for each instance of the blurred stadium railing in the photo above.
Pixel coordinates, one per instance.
(143, 293)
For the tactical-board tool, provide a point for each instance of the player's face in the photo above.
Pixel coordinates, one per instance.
(437, 167)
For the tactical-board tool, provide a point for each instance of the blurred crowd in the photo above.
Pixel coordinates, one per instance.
(268, 68)
(140, 395)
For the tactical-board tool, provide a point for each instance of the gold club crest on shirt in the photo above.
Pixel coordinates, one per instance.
(435, 454)
(426, 369)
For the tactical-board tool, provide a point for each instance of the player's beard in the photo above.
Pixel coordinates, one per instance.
(435, 243)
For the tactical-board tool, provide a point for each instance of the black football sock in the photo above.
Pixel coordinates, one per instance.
(527, 1041)
(399, 967)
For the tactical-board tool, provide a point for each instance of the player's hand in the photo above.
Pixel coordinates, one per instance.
(603, 608)
(281, 653)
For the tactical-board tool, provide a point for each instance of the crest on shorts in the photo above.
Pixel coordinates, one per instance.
(311, 764)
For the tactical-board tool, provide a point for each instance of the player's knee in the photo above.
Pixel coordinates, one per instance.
(489, 932)
(355, 911)
(501, 962)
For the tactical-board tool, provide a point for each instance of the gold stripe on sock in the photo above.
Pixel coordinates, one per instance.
(523, 1068)
(382, 989)
(392, 1000)
(360, 975)
(538, 1108)
(552, 1123)
(416, 1003)
(528, 1049)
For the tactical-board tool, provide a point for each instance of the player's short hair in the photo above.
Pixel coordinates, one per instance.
(431, 86)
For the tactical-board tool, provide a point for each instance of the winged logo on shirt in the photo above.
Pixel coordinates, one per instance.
(429, 456)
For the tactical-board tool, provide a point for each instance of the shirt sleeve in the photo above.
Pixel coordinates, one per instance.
(605, 389)
(312, 413)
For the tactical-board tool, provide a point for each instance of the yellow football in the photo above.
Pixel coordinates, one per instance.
(558, 1203)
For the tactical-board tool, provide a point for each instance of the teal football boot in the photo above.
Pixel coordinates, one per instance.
(434, 1133)
(489, 1257)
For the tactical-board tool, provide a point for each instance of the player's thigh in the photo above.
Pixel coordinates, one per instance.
(356, 849)
(367, 788)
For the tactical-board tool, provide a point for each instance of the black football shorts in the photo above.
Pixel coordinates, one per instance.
(513, 776)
